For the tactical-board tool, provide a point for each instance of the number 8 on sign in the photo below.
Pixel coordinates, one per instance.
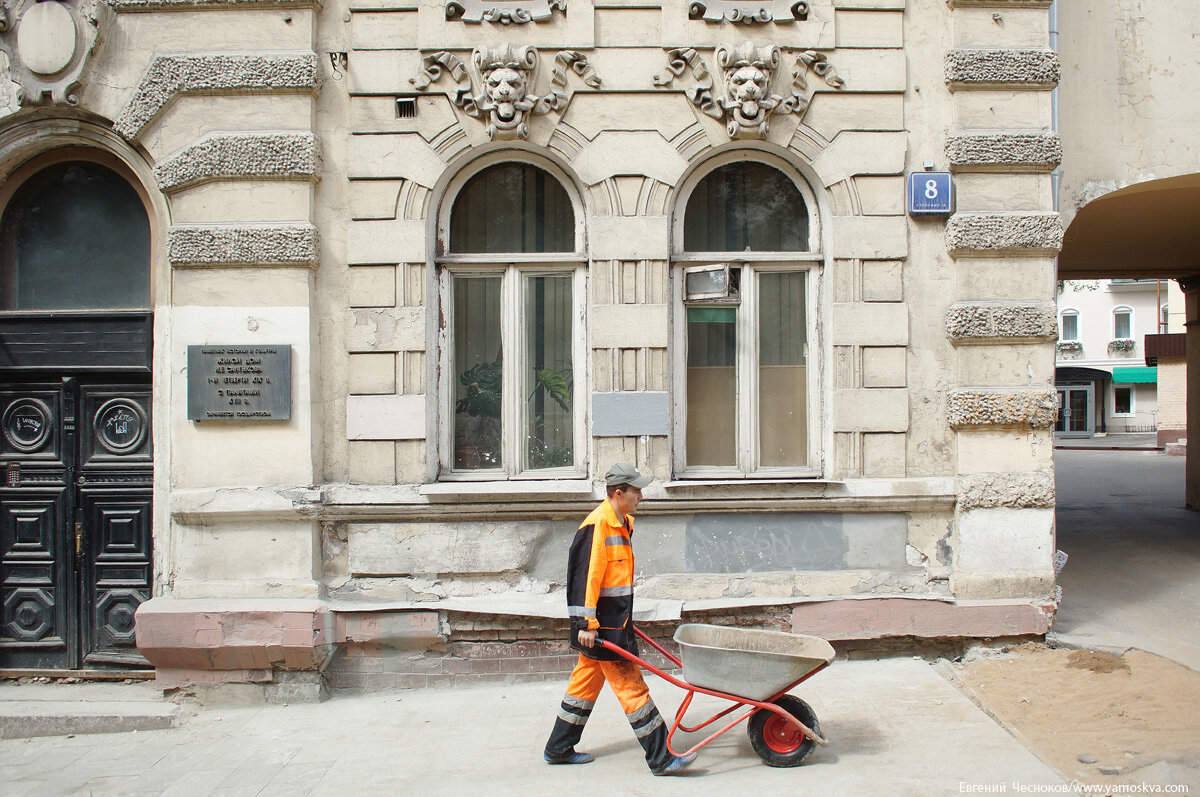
(930, 193)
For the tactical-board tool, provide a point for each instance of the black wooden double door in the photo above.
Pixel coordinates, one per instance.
(75, 519)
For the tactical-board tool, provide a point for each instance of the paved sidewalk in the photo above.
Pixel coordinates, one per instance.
(895, 727)
(1133, 579)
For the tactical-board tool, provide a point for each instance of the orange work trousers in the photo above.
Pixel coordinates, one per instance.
(625, 678)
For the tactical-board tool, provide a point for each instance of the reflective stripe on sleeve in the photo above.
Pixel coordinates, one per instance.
(581, 611)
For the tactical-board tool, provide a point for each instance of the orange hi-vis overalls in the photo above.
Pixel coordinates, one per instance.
(600, 598)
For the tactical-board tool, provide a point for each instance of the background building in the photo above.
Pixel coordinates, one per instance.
(1103, 382)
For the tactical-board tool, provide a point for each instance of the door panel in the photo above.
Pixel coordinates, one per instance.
(116, 570)
(75, 534)
(35, 580)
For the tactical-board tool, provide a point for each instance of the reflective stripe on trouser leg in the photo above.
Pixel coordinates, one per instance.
(587, 679)
(627, 682)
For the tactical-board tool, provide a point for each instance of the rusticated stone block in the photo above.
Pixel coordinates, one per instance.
(973, 68)
(281, 156)
(250, 245)
(1012, 490)
(169, 76)
(1027, 150)
(1012, 233)
(1035, 408)
(985, 322)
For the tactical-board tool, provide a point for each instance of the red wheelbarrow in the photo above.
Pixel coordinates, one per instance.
(750, 668)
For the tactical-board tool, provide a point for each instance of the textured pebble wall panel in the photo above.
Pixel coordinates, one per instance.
(968, 68)
(283, 156)
(1034, 408)
(995, 151)
(228, 73)
(1007, 490)
(1009, 233)
(248, 245)
(984, 322)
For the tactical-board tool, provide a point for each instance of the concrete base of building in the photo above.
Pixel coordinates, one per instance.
(252, 652)
(1166, 437)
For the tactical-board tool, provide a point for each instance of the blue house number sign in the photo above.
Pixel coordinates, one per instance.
(930, 193)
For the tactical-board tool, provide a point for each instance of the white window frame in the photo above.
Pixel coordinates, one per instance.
(1068, 311)
(752, 263)
(1132, 402)
(513, 267)
(1117, 311)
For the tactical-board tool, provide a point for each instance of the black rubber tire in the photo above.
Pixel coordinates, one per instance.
(774, 757)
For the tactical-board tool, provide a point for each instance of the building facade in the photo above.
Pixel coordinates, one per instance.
(1104, 384)
(411, 276)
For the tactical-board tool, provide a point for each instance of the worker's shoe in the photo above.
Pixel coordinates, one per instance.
(676, 766)
(569, 758)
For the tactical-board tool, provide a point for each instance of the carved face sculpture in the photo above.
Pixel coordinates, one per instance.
(505, 87)
(748, 84)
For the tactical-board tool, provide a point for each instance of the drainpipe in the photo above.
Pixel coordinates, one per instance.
(1056, 175)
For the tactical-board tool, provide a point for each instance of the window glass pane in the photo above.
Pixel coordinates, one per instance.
(477, 367)
(1070, 327)
(782, 370)
(711, 385)
(549, 426)
(1122, 400)
(1122, 325)
(75, 236)
(746, 206)
(512, 207)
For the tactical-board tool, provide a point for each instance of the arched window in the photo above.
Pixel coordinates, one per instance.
(512, 291)
(746, 323)
(1070, 326)
(746, 207)
(75, 236)
(512, 207)
(1122, 323)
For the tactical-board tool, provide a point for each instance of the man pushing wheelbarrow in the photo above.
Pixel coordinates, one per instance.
(750, 668)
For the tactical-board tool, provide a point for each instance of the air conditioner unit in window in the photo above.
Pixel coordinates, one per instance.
(719, 282)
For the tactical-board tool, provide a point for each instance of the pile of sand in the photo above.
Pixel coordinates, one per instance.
(1094, 716)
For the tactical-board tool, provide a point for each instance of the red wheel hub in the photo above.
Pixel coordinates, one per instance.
(782, 736)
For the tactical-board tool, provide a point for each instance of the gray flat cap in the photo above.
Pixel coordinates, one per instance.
(626, 473)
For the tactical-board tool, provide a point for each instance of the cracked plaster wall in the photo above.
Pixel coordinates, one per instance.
(1126, 66)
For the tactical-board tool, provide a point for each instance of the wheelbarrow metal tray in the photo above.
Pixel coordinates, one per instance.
(748, 662)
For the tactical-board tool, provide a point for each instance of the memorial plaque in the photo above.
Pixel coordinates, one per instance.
(239, 383)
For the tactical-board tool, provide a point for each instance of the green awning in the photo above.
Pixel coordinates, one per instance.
(1136, 375)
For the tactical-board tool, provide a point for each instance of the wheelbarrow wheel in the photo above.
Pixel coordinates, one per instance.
(778, 742)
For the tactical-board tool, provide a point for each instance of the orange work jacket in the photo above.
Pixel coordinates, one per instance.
(600, 581)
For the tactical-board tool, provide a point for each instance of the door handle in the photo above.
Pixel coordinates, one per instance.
(78, 538)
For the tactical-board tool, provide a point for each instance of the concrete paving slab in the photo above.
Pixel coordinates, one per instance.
(896, 727)
(1133, 578)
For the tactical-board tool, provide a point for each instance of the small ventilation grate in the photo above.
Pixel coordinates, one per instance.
(406, 108)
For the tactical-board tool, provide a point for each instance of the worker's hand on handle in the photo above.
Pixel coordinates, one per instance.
(587, 639)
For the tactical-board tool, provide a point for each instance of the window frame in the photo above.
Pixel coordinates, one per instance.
(1117, 311)
(513, 268)
(811, 263)
(1132, 402)
(1068, 311)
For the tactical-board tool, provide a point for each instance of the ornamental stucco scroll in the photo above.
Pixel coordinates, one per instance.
(44, 47)
(748, 12)
(505, 12)
(499, 87)
(753, 83)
